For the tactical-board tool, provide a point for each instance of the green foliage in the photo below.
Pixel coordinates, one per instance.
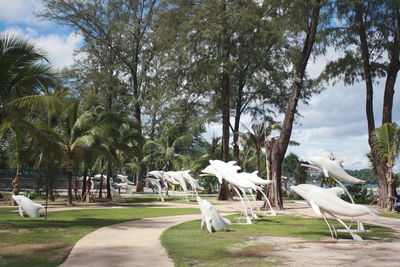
(365, 174)
(300, 174)
(386, 140)
(381, 26)
(23, 68)
(289, 165)
(30, 195)
(359, 194)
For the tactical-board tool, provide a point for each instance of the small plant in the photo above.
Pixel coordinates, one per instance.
(359, 194)
(30, 195)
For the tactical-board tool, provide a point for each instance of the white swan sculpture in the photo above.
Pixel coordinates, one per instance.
(211, 218)
(27, 207)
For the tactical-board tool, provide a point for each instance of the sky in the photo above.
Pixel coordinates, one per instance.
(334, 121)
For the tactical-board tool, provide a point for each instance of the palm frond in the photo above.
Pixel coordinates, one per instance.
(385, 138)
(85, 142)
(153, 147)
(39, 103)
(134, 166)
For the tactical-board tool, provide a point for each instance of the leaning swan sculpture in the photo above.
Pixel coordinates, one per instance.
(27, 207)
(211, 218)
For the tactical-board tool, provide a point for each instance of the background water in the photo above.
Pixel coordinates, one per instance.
(374, 188)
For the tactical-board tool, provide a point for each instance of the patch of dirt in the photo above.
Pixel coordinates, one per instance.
(299, 252)
(21, 248)
(259, 251)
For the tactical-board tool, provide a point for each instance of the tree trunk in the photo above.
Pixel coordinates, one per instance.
(274, 190)
(51, 191)
(238, 114)
(75, 181)
(85, 172)
(224, 193)
(225, 107)
(39, 179)
(236, 151)
(280, 146)
(16, 182)
(390, 182)
(109, 175)
(101, 186)
(139, 179)
(259, 195)
(379, 165)
(225, 116)
(392, 71)
(69, 200)
(89, 187)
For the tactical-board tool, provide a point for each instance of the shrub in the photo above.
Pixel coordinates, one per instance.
(30, 195)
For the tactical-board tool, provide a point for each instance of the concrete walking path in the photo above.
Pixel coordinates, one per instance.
(133, 243)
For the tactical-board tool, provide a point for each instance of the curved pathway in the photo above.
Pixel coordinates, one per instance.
(133, 243)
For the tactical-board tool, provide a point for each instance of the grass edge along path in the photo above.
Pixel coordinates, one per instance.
(32, 242)
(390, 215)
(187, 245)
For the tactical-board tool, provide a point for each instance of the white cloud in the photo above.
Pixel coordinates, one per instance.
(58, 48)
(20, 11)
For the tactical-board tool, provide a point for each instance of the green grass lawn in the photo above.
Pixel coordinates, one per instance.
(187, 245)
(32, 242)
(390, 215)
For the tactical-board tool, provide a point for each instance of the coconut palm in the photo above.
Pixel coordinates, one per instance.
(23, 71)
(73, 132)
(22, 117)
(256, 138)
(165, 152)
(386, 141)
(211, 150)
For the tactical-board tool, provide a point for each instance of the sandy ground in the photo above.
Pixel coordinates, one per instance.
(299, 252)
(137, 243)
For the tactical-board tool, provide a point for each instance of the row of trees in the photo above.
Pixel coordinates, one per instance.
(194, 62)
(46, 128)
(167, 68)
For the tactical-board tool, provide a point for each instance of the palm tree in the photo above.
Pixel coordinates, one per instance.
(386, 141)
(211, 150)
(257, 138)
(72, 131)
(23, 71)
(247, 157)
(168, 151)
